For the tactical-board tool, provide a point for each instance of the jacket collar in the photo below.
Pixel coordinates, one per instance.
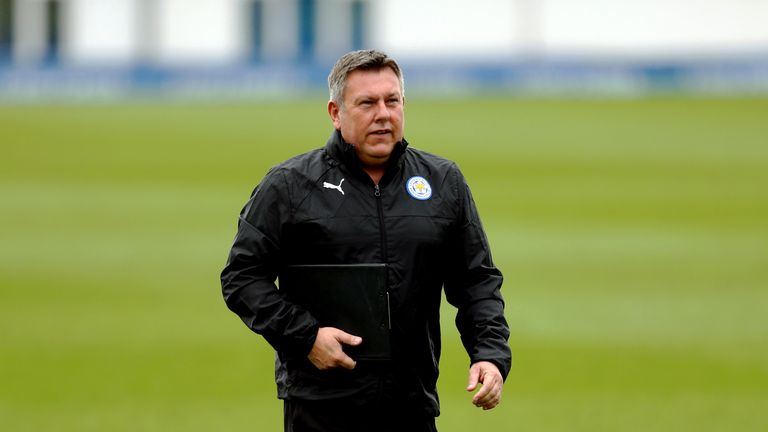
(342, 152)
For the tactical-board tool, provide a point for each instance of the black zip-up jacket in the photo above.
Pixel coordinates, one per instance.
(420, 220)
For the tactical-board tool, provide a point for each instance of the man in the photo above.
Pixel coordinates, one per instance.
(367, 197)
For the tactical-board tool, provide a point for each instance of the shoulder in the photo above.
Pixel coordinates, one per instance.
(304, 163)
(306, 166)
(438, 169)
(436, 165)
(290, 176)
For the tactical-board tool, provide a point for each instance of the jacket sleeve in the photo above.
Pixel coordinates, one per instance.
(473, 286)
(248, 279)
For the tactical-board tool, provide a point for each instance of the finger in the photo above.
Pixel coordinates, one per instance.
(346, 362)
(488, 403)
(474, 378)
(491, 383)
(487, 399)
(482, 395)
(348, 339)
(490, 395)
(491, 405)
(494, 402)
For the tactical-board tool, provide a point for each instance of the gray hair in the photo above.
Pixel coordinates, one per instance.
(362, 60)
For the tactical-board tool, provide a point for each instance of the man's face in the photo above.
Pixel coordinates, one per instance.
(371, 117)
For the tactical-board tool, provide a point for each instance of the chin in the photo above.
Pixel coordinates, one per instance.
(388, 143)
(381, 149)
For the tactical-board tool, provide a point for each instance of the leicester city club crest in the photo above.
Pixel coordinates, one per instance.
(419, 188)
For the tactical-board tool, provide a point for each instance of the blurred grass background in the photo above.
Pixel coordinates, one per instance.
(633, 234)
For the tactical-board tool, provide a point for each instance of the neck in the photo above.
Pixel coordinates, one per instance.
(375, 173)
(374, 167)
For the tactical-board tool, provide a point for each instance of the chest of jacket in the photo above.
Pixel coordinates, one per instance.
(345, 219)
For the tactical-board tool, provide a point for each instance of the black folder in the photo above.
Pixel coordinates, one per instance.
(350, 297)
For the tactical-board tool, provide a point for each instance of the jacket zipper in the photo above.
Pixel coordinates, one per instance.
(382, 230)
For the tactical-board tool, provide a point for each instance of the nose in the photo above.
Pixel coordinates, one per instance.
(382, 111)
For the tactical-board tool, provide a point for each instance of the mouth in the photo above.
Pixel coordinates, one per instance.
(381, 132)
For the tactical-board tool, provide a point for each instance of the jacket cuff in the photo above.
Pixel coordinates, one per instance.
(309, 342)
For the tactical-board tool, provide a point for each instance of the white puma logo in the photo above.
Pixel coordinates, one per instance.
(333, 186)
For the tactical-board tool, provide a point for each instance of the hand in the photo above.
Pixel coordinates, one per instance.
(327, 352)
(487, 374)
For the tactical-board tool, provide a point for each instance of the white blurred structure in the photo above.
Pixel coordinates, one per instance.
(237, 48)
(225, 32)
(179, 32)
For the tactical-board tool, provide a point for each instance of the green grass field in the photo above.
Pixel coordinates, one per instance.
(633, 235)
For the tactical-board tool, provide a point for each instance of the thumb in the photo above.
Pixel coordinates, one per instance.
(348, 339)
(474, 377)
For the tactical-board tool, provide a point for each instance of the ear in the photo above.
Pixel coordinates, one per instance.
(333, 111)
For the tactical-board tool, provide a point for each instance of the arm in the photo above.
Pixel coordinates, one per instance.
(474, 287)
(248, 279)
